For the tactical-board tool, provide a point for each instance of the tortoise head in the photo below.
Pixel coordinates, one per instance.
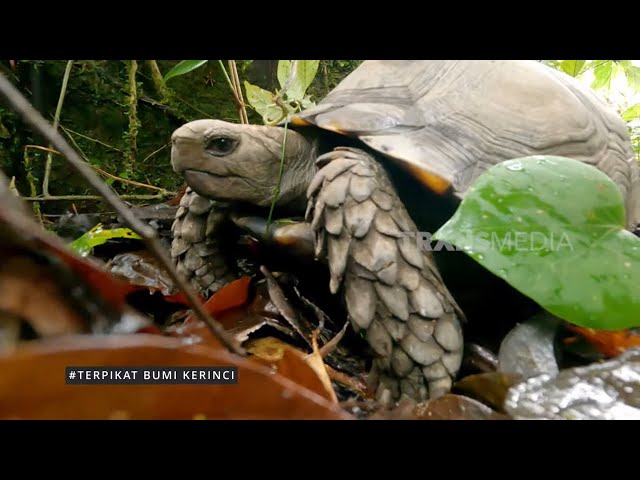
(241, 163)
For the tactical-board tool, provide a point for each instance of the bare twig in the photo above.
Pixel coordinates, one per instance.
(331, 345)
(155, 152)
(165, 193)
(276, 190)
(59, 198)
(40, 147)
(56, 121)
(132, 182)
(32, 117)
(353, 383)
(234, 90)
(287, 311)
(235, 78)
(31, 180)
(68, 131)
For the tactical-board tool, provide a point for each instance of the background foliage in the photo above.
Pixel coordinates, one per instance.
(97, 116)
(120, 113)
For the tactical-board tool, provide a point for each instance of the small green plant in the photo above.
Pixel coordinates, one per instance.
(603, 76)
(294, 77)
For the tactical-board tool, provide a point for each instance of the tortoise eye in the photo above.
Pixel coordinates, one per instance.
(221, 145)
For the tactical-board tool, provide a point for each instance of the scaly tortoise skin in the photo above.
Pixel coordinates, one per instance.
(442, 123)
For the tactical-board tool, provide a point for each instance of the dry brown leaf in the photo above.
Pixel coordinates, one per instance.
(32, 385)
(456, 407)
(291, 363)
(490, 388)
(33, 292)
(315, 361)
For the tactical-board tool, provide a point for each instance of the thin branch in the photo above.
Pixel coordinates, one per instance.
(32, 117)
(131, 182)
(229, 82)
(44, 149)
(235, 90)
(155, 152)
(276, 192)
(31, 180)
(56, 121)
(103, 172)
(57, 198)
(233, 68)
(95, 140)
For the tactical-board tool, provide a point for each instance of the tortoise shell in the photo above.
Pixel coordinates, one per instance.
(446, 122)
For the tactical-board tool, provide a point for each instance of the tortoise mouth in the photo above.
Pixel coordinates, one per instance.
(207, 184)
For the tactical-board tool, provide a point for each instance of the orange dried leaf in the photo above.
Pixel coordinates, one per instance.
(232, 295)
(32, 292)
(489, 388)
(291, 363)
(356, 384)
(456, 407)
(32, 385)
(315, 361)
(610, 343)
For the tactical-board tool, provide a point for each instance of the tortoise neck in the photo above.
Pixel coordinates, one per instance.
(299, 172)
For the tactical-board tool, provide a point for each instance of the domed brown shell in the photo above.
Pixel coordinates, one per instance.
(448, 121)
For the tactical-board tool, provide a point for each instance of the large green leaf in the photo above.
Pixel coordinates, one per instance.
(284, 70)
(602, 74)
(185, 66)
(631, 113)
(572, 67)
(554, 228)
(304, 74)
(632, 73)
(262, 102)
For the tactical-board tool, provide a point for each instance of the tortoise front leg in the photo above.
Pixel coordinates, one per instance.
(393, 291)
(197, 247)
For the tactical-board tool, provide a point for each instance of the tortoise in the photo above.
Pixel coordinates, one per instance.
(391, 150)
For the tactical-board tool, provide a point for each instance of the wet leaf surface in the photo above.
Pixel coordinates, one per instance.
(447, 407)
(566, 248)
(279, 299)
(294, 364)
(601, 391)
(233, 295)
(32, 385)
(489, 388)
(456, 407)
(143, 269)
(478, 358)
